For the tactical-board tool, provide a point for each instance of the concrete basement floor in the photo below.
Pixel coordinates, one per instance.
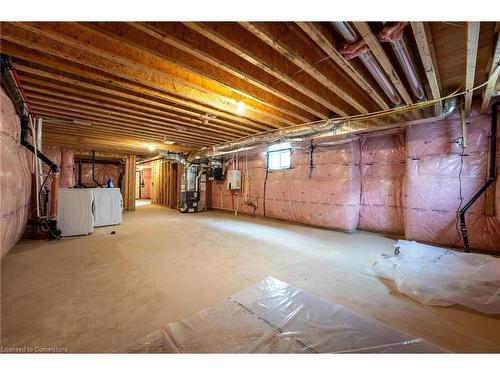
(102, 292)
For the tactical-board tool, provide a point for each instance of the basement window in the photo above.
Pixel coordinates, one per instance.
(278, 156)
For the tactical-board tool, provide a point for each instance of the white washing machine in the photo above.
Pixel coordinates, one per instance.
(74, 212)
(108, 206)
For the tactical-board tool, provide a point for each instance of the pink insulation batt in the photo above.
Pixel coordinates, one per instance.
(102, 173)
(65, 160)
(432, 190)
(382, 172)
(15, 177)
(326, 195)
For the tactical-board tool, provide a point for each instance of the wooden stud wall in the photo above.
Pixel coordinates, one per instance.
(129, 183)
(165, 178)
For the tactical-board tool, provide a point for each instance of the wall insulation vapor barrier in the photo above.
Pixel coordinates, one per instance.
(410, 181)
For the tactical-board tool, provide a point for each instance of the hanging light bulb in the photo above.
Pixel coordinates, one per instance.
(151, 147)
(240, 108)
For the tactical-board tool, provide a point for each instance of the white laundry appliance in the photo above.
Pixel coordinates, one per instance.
(108, 206)
(74, 212)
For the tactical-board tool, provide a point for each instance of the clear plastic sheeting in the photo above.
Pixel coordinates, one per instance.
(437, 276)
(275, 317)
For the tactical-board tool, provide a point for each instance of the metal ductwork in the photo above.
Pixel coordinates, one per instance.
(294, 133)
(366, 57)
(173, 156)
(298, 133)
(393, 34)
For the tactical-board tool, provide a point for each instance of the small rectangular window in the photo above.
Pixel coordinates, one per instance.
(278, 156)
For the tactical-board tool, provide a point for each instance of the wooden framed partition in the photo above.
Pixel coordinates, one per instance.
(129, 183)
(166, 181)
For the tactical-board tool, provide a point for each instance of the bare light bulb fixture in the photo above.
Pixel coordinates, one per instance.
(151, 147)
(240, 108)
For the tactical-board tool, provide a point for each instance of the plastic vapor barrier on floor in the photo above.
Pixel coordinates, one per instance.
(275, 317)
(437, 276)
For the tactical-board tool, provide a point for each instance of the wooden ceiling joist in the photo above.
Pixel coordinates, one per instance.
(160, 122)
(379, 53)
(137, 39)
(66, 83)
(129, 71)
(280, 37)
(472, 46)
(425, 49)
(204, 49)
(269, 60)
(326, 45)
(103, 118)
(127, 61)
(494, 71)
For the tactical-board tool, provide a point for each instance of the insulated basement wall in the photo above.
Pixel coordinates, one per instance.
(439, 181)
(326, 195)
(389, 182)
(382, 172)
(65, 160)
(102, 173)
(15, 177)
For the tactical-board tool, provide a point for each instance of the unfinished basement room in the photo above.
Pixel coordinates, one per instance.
(250, 187)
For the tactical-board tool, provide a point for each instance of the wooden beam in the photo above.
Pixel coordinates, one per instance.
(204, 49)
(263, 33)
(493, 70)
(118, 50)
(472, 45)
(426, 55)
(120, 68)
(153, 123)
(181, 125)
(326, 45)
(221, 123)
(131, 126)
(266, 59)
(379, 53)
(187, 58)
(130, 182)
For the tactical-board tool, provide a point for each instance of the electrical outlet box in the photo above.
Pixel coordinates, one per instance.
(233, 179)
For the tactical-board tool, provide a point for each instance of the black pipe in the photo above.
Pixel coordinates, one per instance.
(93, 170)
(11, 88)
(492, 176)
(79, 173)
(24, 141)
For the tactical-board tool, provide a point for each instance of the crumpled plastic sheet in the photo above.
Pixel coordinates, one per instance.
(327, 195)
(437, 276)
(275, 317)
(432, 183)
(382, 172)
(15, 177)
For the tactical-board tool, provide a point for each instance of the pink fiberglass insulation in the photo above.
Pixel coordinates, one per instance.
(382, 172)
(102, 173)
(15, 177)
(439, 181)
(67, 177)
(327, 195)
(65, 159)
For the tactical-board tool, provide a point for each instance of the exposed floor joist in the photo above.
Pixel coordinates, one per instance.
(472, 46)
(494, 71)
(379, 53)
(324, 43)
